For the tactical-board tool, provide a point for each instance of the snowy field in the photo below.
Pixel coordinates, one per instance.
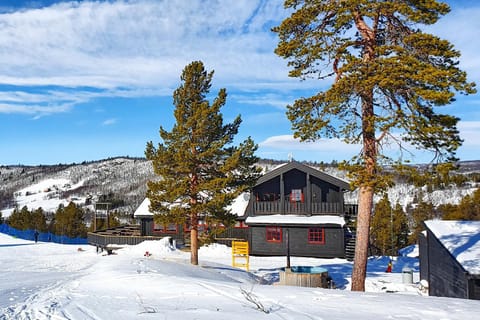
(52, 281)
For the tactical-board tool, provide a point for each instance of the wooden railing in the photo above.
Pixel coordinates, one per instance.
(103, 240)
(274, 207)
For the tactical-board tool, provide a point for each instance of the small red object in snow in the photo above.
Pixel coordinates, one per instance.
(389, 267)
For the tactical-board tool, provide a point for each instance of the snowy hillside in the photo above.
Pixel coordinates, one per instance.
(52, 281)
(124, 181)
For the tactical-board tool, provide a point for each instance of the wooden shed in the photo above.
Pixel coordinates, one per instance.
(450, 258)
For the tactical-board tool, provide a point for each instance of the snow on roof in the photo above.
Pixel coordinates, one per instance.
(143, 209)
(296, 219)
(461, 239)
(238, 206)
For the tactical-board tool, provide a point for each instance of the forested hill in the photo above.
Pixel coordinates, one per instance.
(122, 182)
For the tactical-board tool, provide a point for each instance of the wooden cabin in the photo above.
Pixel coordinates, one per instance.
(300, 207)
(293, 207)
(450, 258)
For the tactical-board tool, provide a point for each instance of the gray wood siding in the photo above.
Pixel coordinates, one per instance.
(299, 246)
(423, 256)
(146, 226)
(323, 191)
(447, 278)
(474, 289)
(268, 187)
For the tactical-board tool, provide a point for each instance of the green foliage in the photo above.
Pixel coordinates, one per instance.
(381, 229)
(200, 170)
(467, 209)
(389, 229)
(28, 220)
(69, 221)
(422, 212)
(113, 221)
(388, 78)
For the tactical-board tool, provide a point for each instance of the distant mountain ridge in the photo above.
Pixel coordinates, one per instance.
(122, 181)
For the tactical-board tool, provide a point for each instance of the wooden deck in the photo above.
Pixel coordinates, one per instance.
(116, 237)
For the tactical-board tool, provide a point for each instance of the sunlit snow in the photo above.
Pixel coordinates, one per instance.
(53, 281)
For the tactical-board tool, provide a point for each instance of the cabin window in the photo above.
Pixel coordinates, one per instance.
(267, 197)
(240, 225)
(274, 234)
(296, 195)
(166, 228)
(316, 235)
(201, 226)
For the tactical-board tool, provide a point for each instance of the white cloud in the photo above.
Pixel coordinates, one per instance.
(279, 147)
(109, 122)
(33, 109)
(140, 45)
(137, 43)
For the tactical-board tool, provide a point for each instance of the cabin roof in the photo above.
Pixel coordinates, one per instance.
(304, 168)
(461, 239)
(290, 219)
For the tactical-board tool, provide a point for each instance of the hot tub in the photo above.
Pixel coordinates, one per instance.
(304, 276)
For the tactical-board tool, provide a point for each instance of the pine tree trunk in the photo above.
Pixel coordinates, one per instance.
(365, 203)
(366, 190)
(194, 239)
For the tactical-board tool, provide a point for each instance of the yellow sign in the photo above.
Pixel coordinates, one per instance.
(240, 251)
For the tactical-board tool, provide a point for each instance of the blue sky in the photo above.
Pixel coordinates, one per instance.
(87, 80)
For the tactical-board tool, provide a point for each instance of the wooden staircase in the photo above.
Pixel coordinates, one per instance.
(350, 247)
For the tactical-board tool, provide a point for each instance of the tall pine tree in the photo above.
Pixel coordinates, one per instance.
(388, 78)
(199, 169)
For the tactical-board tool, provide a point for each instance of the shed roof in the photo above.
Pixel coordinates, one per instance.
(304, 168)
(461, 239)
(143, 209)
(289, 219)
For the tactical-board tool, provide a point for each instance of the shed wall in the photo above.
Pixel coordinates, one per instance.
(447, 277)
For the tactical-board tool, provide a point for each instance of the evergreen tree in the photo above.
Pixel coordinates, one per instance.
(381, 230)
(69, 221)
(38, 220)
(388, 80)
(422, 212)
(400, 228)
(449, 211)
(20, 219)
(113, 221)
(469, 207)
(200, 170)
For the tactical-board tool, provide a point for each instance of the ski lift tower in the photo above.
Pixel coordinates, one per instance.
(101, 212)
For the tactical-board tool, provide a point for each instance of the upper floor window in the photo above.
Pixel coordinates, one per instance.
(296, 195)
(316, 235)
(166, 228)
(267, 197)
(274, 234)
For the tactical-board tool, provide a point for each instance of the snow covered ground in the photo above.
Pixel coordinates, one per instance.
(53, 281)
